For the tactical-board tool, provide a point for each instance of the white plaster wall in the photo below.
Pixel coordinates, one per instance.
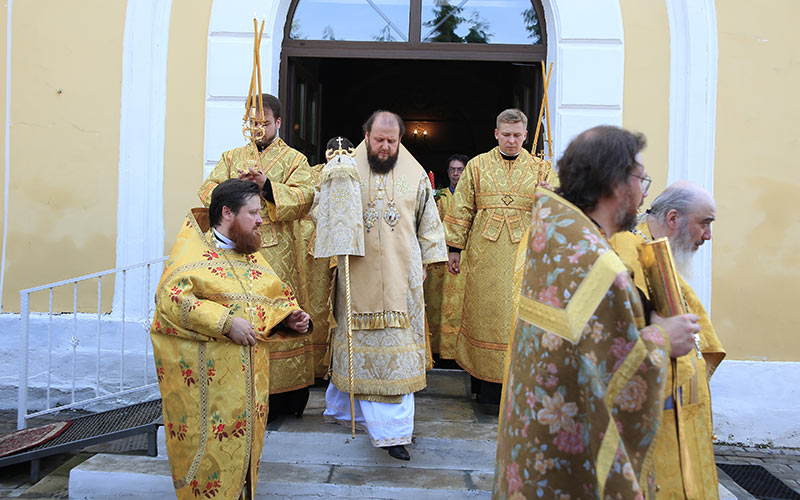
(757, 402)
(693, 109)
(229, 68)
(140, 205)
(584, 38)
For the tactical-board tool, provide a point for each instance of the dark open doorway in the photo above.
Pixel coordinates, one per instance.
(452, 104)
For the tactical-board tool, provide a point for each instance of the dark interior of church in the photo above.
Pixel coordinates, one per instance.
(448, 106)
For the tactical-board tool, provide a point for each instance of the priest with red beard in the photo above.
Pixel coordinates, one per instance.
(218, 307)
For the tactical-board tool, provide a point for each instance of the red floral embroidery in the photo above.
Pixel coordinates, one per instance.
(157, 326)
(186, 371)
(212, 486)
(289, 294)
(218, 271)
(239, 428)
(210, 255)
(211, 372)
(218, 427)
(174, 294)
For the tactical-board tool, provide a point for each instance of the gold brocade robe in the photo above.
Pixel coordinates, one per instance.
(315, 285)
(490, 214)
(389, 345)
(582, 397)
(292, 364)
(444, 296)
(685, 466)
(215, 394)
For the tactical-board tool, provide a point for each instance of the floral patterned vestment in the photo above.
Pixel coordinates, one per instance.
(584, 386)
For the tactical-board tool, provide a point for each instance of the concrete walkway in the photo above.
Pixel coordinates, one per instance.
(452, 457)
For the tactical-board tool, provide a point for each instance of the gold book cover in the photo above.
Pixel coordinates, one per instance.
(661, 277)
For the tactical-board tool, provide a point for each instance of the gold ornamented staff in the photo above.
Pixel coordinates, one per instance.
(340, 181)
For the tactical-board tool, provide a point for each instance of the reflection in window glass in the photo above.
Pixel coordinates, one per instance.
(480, 21)
(351, 20)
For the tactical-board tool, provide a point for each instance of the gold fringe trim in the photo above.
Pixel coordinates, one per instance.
(377, 398)
(380, 320)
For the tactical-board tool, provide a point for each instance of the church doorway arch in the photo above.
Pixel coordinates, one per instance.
(447, 67)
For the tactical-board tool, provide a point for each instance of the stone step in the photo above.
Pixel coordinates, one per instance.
(116, 477)
(452, 456)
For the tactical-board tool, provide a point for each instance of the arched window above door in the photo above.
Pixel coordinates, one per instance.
(502, 22)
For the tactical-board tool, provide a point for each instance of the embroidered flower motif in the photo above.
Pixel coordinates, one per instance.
(211, 372)
(538, 241)
(580, 251)
(630, 475)
(213, 485)
(513, 478)
(620, 350)
(550, 341)
(549, 296)
(557, 414)
(591, 237)
(174, 294)
(570, 442)
(621, 281)
(633, 395)
(657, 357)
(186, 372)
(530, 398)
(653, 335)
(210, 255)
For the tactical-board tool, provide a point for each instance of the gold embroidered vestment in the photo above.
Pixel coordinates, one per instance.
(215, 394)
(490, 214)
(292, 364)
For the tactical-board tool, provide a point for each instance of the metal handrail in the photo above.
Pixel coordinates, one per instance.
(22, 407)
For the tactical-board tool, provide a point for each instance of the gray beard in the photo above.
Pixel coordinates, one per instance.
(683, 250)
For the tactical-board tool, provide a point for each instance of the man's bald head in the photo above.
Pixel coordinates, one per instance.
(683, 213)
(684, 197)
(382, 133)
(385, 119)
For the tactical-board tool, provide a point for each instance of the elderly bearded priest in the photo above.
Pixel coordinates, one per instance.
(216, 304)
(402, 235)
(586, 375)
(685, 466)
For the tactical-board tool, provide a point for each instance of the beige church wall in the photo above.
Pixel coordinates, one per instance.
(646, 85)
(756, 181)
(186, 82)
(65, 117)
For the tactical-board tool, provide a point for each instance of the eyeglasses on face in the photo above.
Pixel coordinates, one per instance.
(646, 181)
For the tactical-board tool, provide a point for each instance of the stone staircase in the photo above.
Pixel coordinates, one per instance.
(452, 456)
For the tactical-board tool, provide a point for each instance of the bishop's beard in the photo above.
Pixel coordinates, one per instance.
(246, 241)
(381, 166)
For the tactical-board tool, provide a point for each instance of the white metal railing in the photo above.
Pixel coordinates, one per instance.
(115, 325)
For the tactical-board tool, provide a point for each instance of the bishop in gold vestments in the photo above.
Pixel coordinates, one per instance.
(215, 393)
(685, 466)
(292, 189)
(583, 394)
(389, 346)
(490, 213)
